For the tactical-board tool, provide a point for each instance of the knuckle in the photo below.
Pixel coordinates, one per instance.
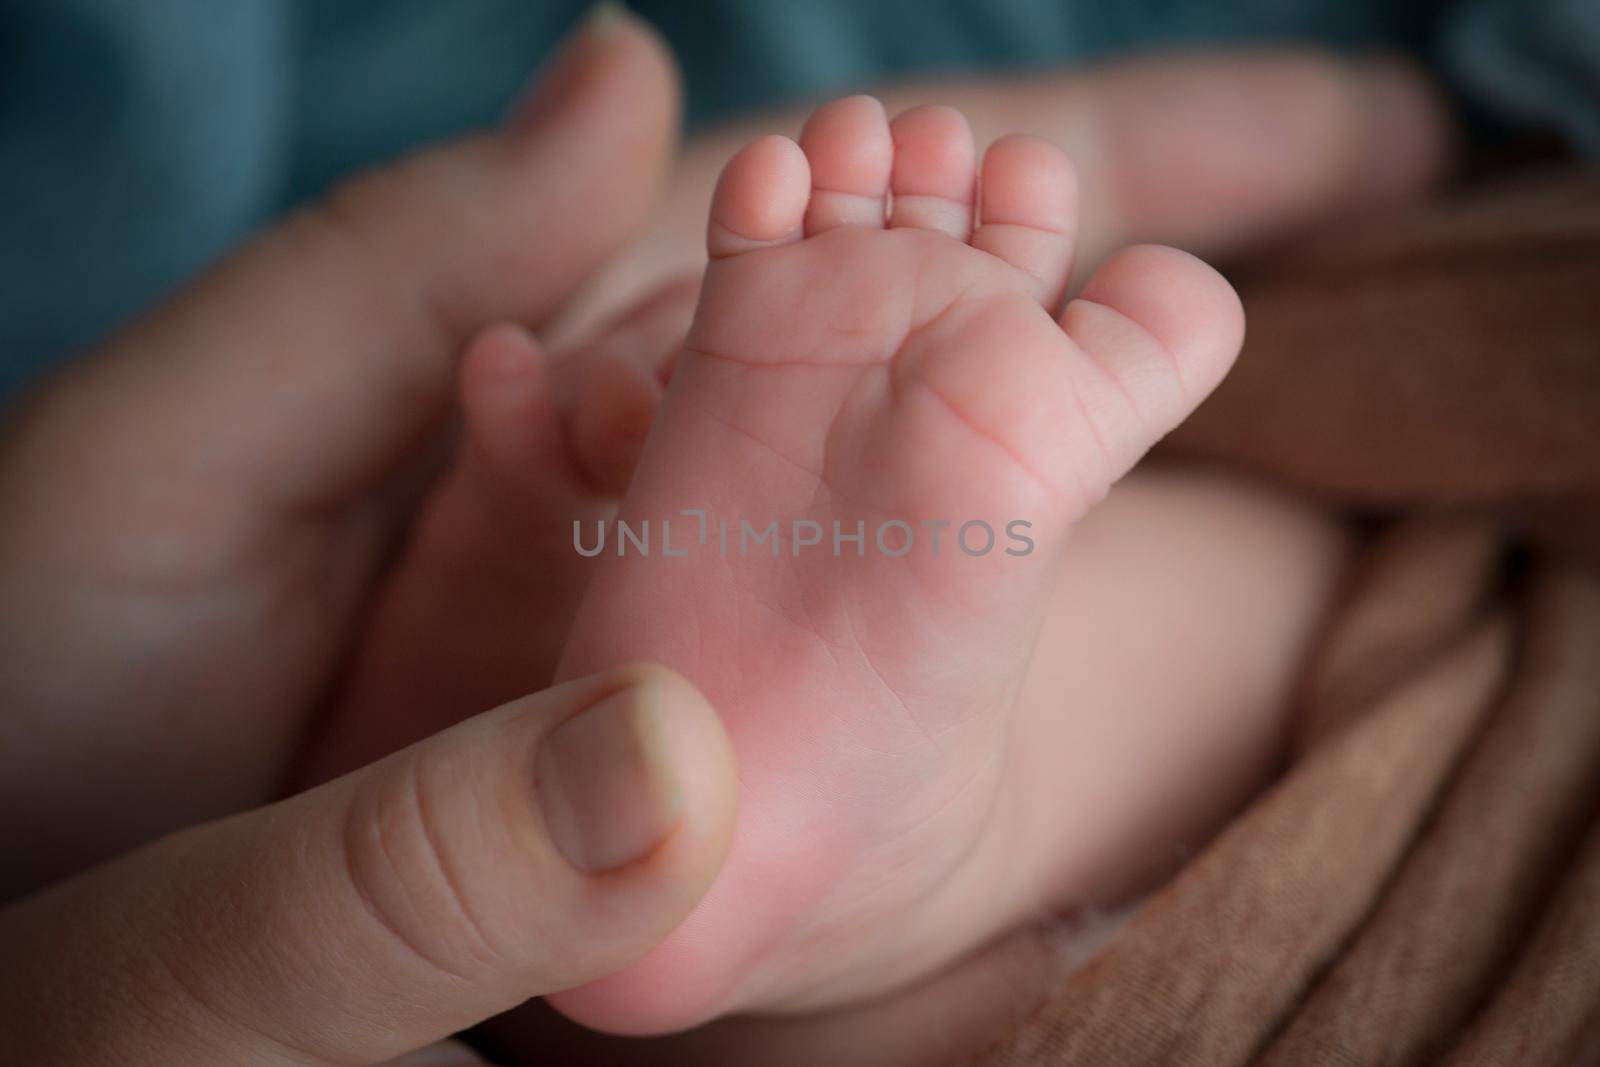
(406, 868)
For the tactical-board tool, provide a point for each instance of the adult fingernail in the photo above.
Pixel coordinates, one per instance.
(606, 786)
(564, 76)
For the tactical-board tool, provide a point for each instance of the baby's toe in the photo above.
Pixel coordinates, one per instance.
(935, 171)
(760, 199)
(1158, 329)
(851, 153)
(1028, 212)
(506, 402)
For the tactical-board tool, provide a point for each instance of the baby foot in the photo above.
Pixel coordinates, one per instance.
(477, 609)
(885, 381)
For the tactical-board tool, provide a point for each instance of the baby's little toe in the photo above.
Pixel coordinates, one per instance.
(760, 199)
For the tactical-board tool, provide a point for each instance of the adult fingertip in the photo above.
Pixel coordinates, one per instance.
(610, 42)
(572, 829)
(537, 847)
(606, 783)
(662, 784)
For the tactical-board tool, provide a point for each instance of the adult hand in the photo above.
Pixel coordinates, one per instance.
(190, 522)
(190, 519)
(538, 846)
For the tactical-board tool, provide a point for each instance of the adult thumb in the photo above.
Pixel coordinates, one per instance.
(533, 848)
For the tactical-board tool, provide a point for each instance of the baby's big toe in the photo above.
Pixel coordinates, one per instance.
(1156, 329)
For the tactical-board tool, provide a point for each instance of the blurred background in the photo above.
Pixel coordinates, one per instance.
(140, 139)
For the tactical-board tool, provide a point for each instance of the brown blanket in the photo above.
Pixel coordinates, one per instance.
(1423, 885)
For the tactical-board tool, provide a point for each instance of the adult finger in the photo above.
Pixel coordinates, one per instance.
(192, 519)
(302, 366)
(533, 848)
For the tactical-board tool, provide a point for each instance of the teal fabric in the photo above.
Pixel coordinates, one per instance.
(1534, 64)
(136, 141)
(139, 140)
